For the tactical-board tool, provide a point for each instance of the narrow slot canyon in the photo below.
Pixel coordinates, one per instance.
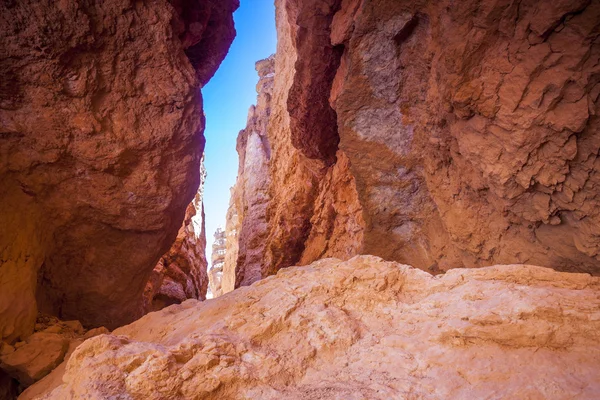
(299, 199)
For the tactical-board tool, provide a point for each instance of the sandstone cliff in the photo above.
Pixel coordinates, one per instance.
(100, 147)
(438, 134)
(362, 329)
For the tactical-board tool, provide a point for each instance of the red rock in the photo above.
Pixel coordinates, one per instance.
(313, 123)
(100, 142)
(181, 274)
(468, 134)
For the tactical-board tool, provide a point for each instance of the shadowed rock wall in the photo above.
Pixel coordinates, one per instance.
(100, 148)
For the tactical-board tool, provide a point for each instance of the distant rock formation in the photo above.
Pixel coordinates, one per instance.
(247, 226)
(219, 253)
(101, 138)
(232, 227)
(364, 329)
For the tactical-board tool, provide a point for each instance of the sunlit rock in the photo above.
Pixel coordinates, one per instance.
(361, 329)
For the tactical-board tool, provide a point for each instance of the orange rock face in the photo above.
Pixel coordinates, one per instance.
(466, 135)
(480, 125)
(100, 147)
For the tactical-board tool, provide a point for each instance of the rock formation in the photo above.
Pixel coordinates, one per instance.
(232, 228)
(465, 134)
(100, 142)
(440, 134)
(40, 354)
(181, 273)
(247, 227)
(361, 329)
(217, 260)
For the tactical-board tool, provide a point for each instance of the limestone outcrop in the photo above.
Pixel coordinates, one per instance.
(465, 134)
(100, 147)
(361, 329)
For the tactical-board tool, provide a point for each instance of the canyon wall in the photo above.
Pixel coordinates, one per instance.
(438, 134)
(100, 148)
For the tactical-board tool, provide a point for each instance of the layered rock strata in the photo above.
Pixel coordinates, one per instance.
(361, 329)
(100, 142)
(466, 134)
(247, 226)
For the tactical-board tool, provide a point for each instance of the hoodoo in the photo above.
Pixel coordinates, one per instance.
(416, 213)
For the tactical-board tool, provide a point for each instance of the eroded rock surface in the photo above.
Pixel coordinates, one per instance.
(100, 147)
(181, 274)
(468, 133)
(361, 329)
(34, 358)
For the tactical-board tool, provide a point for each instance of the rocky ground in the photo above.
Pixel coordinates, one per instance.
(42, 356)
(360, 329)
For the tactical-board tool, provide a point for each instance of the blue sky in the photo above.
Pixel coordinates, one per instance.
(227, 98)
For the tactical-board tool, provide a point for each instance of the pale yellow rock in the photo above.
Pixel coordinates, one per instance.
(360, 329)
